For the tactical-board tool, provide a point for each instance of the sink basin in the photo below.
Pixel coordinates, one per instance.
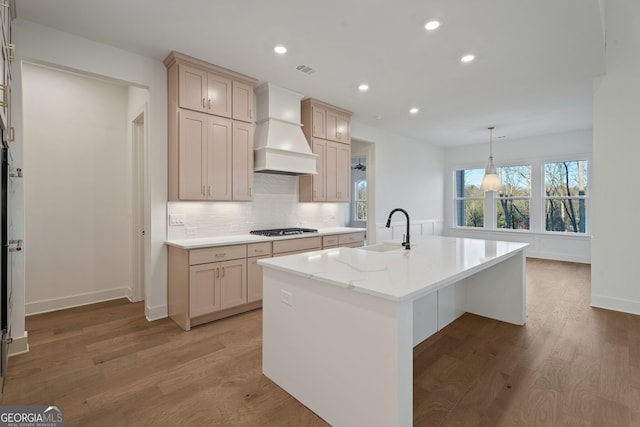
(383, 247)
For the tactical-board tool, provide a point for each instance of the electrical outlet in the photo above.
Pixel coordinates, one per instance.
(191, 231)
(286, 297)
(235, 228)
(176, 219)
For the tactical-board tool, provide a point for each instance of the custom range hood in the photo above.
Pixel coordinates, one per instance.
(279, 144)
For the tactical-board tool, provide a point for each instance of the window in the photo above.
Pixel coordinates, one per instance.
(515, 197)
(566, 196)
(469, 198)
(361, 200)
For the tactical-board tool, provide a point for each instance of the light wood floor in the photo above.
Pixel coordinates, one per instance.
(571, 365)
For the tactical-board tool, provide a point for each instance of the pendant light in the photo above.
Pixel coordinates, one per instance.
(491, 181)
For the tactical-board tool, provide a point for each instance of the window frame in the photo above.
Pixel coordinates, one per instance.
(586, 197)
(457, 199)
(498, 197)
(356, 200)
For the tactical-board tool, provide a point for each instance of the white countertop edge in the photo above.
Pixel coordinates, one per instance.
(397, 298)
(238, 239)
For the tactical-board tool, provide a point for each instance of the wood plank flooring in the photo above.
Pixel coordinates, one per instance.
(570, 365)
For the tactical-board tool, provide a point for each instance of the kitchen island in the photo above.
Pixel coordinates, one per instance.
(339, 325)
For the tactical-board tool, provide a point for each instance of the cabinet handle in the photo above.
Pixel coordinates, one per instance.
(12, 134)
(204, 103)
(250, 192)
(210, 103)
(222, 271)
(250, 113)
(203, 193)
(209, 190)
(12, 52)
(258, 251)
(217, 272)
(220, 255)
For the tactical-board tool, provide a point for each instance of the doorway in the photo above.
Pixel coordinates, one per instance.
(362, 206)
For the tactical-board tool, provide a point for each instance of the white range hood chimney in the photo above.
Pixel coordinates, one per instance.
(279, 144)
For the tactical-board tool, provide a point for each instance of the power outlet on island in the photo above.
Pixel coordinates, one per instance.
(286, 297)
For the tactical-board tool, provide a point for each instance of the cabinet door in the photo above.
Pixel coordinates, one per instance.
(218, 95)
(319, 183)
(332, 125)
(242, 160)
(343, 171)
(192, 155)
(192, 88)
(343, 131)
(219, 158)
(254, 279)
(318, 118)
(233, 283)
(331, 170)
(242, 102)
(204, 289)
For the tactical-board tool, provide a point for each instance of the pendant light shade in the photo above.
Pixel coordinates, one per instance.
(491, 181)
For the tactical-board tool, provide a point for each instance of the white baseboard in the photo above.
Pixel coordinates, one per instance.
(155, 313)
(616, 304)
(19, 345)
(45, 306)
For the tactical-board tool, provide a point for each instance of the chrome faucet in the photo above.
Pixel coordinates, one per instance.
(405, 243)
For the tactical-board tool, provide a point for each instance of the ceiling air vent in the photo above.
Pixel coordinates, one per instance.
(305, 69)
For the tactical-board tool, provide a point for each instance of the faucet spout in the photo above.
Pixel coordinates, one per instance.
(406, 243)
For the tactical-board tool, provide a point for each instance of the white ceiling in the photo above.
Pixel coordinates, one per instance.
(533, 73)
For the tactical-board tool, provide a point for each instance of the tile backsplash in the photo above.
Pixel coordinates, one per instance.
(275, 204)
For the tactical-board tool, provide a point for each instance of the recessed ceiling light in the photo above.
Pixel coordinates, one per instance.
(467, 58)
(431, 25)
(280, 49)
(414, 110)
(363, 87)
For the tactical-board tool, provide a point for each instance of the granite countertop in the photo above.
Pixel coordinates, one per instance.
(237, 239)
(391, 272)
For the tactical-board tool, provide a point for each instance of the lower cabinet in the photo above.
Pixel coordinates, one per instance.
(217, 286)
(208, 284)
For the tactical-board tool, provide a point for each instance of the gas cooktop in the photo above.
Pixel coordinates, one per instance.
(283, 231)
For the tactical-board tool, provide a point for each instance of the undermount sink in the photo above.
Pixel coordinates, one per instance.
(383, 247)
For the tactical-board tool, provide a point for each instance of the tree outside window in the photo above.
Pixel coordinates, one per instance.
(361, 200)
(469, 198)
(566, 196)
(514, 198)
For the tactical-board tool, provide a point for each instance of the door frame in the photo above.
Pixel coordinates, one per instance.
(140, 234)
(367, 150)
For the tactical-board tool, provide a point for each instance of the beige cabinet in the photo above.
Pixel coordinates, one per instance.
(204, 157)
(207, 284)
(210, 131)
(242, 102)
(203, 91)
(327, 130)
(338, 127)
(242, 155)
(352, 240)
(255, 252)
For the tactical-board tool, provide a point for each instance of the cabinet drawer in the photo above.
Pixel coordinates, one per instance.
(258, 249)
(219, 253)
(297, 245)
(351, 238)
(329, 241)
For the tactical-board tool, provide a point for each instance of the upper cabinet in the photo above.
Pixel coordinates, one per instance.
(210, 131)
(327, 129)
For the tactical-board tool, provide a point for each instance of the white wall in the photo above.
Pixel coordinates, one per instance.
(409, 174)
(616, 150)
(77, 204)
(575, 145)
(36, 43)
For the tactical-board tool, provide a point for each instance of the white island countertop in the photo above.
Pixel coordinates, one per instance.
(238, 239)
(432, 263)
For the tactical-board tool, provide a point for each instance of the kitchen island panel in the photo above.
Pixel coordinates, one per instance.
(331, 341)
